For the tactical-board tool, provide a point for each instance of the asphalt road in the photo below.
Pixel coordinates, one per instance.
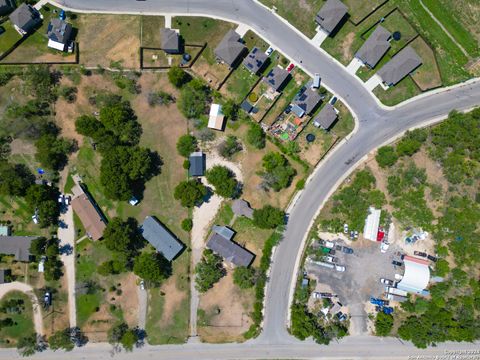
(377, 125)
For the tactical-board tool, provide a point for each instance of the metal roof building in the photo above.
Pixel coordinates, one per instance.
(161, 238)
(18, 246)
(197, 162)
(216, 117)
(402, 64)
(330, 15)
(372, 223)
(375, 47)
(416, 276)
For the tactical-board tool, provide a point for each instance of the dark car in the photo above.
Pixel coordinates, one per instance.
(341, 316)
(338, 247)
(432, 258)
(347, 250)
(327, 295)
(397, 263)
(419, 253)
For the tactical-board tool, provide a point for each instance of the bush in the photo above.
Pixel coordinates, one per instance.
(300, 185)
(268, 217)
(193, 99)
(244, 277)
(208, 271)
(256, 136)
(190, 193)
(253, 97)
(411, 142)
(224, 181)
(229, 147)
(186, 164)
(386, 156)
(178, 77)
(383, 324)
(278, 171)
(187, 224)
(186, 144)
(159, 98)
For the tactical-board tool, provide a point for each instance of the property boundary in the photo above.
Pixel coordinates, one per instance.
(143, 67)
(368, 15)
(75, 62)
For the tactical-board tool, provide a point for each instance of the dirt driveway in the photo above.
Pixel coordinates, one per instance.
(364, 268)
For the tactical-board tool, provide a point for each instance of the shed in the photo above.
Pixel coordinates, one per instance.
(255, 60)
(246, 106)
(216, 117)
(416, 276)
(241, 207)
(277, 78)
(90, 215)
(161, 238)
(375, 47)
(326, 117)
(197, 162)
(59, 34)
(230, 49)
(170, 41)
(18, 246)
(4, 273)
(220, 242)
(372, 222)
(330, 15)
(25, 18)
(402, 64)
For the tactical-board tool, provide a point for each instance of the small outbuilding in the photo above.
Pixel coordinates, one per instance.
(277, 78)
(25, 19)
(230, 49)
(401, 65)
(197, 165)
(161, 238)
(255, 60)
(5, 275)
(375, 47)
(220, 242)
(241, 207)
(5, 230)
(416, 277)
(372, 222)
(59, 34)
(216, 118)
(326, 117)
(330, 15)
(170, 41)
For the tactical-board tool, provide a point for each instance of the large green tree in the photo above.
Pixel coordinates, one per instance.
(15, 179)
(190, 193)
(178, 77)
(268, 217)
(383, 324)
(208, 271)
(278, 171)
(61, 340)
(123, 237)
(256, 136)
(224, 181)
(193, 99)
(244, 277)
(186, 144)
(152, 267)
(43, 199)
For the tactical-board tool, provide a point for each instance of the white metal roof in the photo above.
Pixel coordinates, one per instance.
(215, 120)
(416, 277)
(371, 224)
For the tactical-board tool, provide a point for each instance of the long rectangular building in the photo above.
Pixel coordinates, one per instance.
(161, 238)
(90, 215)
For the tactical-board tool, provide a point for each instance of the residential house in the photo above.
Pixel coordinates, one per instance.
(170, 41)
(277, 78)
(241, 207)
(230, 49)
(197, 165)
(326, 117)
(161, 238)
(6, 6)
(220, 242)
(59, 34)
(402, 64)
(375, 47)
(330, 15)
(90, 215)
(306, 102)
(255, 60)
(25, 19)
(216, 117)
(18, 246)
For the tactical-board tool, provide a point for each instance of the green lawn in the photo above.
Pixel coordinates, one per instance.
(87, 305)
(405, 89)
(251, 39)
(396, 22)
(23, 322)
(9, 37)
(240, 83)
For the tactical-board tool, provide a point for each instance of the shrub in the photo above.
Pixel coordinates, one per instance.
(278, 171)
(229, 147)
(190, 193)
(244, 277)
(178, 77)
(383, 324)
(224, 181)
(256, 136)
(386, 156)
(187, 224)
(208, 271)
(253, 97)
(186, 144)
(268, 217)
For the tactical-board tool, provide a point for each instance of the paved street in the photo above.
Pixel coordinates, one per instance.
(377, 124)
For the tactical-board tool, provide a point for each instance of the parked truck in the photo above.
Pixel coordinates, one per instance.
(395, 291)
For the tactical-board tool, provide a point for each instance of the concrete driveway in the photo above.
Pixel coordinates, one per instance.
(142, 307)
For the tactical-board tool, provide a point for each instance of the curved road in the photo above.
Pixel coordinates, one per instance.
(377, 124)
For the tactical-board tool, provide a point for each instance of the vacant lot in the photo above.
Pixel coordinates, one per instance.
(427, 76)
(22, 320)
(150, 30)
(104, 39)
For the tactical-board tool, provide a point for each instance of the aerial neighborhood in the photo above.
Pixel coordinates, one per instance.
(269, 170)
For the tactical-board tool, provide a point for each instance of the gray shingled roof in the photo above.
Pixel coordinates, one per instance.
(230, 48)
(326, 117)
(170, 40)
(400, 66)
(255, 60)
(276, 77)
(308, 100)
(18, 246)
(330, 15)
(5, 6)
(230, 251)
(375, 47)
(197, 164)
(25, 17)
(161, 238)
(59, 31)
(242, 208)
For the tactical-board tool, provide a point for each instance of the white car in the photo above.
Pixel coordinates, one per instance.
(329, 244)
(133, 201)
(386, 281)
(384, 246)
(269, 51)
(345, 228)
(330, 259)
(35, 219)
(142, 285)
(316, 295)
(340, 268)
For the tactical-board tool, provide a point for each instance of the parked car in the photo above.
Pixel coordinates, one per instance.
(386, 281)
(388, 310)
(384, 246)
(331, 259)
(290, 67)
(352, 234)
(378, 302)
(329, 244)
(327, 295)
(419, 253)
(142, 285)
(338, 247)
(340, 268)
(432, 258)
(35, 219)
(47, 299)
(397, 263)
(345, 228)
(333, 100)
(341, 316)
(316, 295)
(347, 250)
(269, 51)
(355, 234)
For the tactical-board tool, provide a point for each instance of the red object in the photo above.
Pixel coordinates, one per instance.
(290, 67)
(380, 235)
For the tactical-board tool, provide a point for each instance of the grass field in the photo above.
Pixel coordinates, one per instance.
(9, 37)
(23, 322)
(426, 76)
(150, 33)
(405, 89)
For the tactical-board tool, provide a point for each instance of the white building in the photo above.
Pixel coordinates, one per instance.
(216, 117)
(372, 222)
(416, 276)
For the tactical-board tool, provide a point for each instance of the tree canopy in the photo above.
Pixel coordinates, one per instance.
(386, 156)
(190, 193)
(244, 277)
(224, 181)
(178, 77)
(268, 217)
(186, 144)
(15, 179)
(256, 136)
(278, 172)
(193, 99)
(152, 267)
(43, 199)
(208, 271)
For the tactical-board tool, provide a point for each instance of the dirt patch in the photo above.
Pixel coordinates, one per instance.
(173, 299)
(226, 312)
(128, 301)
(347, 45)
(380, 178)
(22, 147)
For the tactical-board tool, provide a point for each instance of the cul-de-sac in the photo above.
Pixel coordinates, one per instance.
(249, 179)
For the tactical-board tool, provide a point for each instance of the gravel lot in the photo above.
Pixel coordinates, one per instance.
(361, 279)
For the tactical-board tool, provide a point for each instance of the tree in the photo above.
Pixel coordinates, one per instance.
(187, 224)
(278, 171)
(386, 156)
(61, 340)
(116, 333)
(193, 99)
(110, 267)
(39, 82)
(14, 179)
(224, 181)
(383, 324)
(88, 125)
(190, 193)
(43, 199)
(129, 339)
(244, 277)
(441, 267)
(52, 151)
(28, 345)
(186, 144)
(178, 77)
(152, 267)
(120, 119)
(229, 147)
(256, 136)
(123, 237)
(159, 98)
(268, 217)
(411, 142)
(230, 109)
(208, 271)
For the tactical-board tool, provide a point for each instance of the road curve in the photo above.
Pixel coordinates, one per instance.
(376, 124)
